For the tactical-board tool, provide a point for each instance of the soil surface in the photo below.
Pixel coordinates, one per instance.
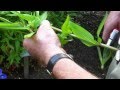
(83, 55)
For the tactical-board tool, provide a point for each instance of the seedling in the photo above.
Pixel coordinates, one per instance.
(72, 29)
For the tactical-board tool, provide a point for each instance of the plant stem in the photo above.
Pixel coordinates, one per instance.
(37, 13)
(101, 44)
(99, 54)
(59, 30)
(110, 47)
(100, 57)
(30, 31)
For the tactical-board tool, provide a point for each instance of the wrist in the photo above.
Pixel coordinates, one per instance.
(51, 52)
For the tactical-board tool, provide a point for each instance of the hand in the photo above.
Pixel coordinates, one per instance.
(44, 44)
(112, 22)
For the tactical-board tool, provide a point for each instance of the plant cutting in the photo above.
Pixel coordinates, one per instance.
(26, 26)
(86, 38)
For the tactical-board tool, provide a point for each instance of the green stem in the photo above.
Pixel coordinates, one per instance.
(30, 31)
(37, 13)
(59, 30)
(99, 54)
(100, 57)
(101, 44)
(110, 47)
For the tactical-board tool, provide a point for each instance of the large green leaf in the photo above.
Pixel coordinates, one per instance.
(13, 26)
(101, 25)
(27, 17)
(83, 34)
(65, 27)
(87, 43)
(43, 17)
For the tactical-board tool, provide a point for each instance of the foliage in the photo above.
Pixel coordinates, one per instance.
(12, 34)
(17, 25)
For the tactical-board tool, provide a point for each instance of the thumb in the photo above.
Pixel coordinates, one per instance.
(45, 24)
(45, 29)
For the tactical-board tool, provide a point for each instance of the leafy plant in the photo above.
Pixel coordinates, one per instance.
(13, 33)
(70, 28)
(17, 25)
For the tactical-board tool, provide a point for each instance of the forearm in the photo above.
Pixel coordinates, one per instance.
(68, 69)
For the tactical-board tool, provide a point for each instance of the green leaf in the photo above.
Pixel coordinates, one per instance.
(107, 54)
(99, 39)
(37, 13)
(3, 48)
(83, 34)
(63, 39)
(65, 27)
(3, 24)
(87, 43)
(101, 25)
(43, 16)
(17, 58)
(1, 58)
(5, 20)
(26, 17)
(9, 45)
(37, 21)
(11, 58)
(17, 46)
(29, 35)
(13, 26)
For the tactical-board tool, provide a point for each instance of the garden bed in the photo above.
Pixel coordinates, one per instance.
(84, 56)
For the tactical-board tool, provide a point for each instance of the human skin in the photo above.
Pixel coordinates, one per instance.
(112, 22)
(46, 44)
(43, 48)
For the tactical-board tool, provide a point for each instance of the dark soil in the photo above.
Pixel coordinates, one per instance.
(86, 57)
(83, 55)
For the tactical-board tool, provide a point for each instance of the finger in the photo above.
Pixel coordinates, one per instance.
(45, 29)
(45, 25)
(27, 43)
(108, 28)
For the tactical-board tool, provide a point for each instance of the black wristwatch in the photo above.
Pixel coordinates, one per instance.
(54, 59)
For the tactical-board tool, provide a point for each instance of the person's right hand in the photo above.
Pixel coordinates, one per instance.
(112, 22)
(44, 44)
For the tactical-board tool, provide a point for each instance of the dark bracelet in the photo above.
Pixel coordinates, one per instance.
(54, 59)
